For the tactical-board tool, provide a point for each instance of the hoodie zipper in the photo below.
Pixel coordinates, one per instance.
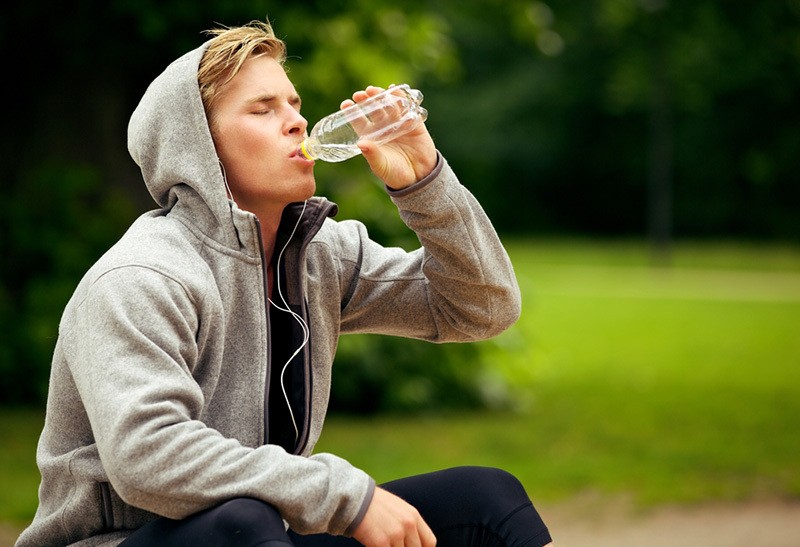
(265, 289)
(303, 433)
(302, 439)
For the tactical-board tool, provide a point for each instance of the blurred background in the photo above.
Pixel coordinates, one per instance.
(639, 157)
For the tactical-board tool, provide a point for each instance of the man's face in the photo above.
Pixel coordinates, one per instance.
(257, 131)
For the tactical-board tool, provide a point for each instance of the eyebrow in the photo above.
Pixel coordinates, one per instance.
(293, 99)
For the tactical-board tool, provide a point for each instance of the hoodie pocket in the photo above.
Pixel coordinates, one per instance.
(106, 510)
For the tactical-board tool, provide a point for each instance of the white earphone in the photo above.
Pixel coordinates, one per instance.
(303, 325)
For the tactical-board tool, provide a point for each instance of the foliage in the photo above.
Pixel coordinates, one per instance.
(606, 113)
(378, 374)
(53, 225)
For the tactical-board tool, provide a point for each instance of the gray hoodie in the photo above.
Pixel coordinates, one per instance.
(158, 396)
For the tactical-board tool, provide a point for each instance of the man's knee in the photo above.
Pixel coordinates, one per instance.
(487, 481)
(467, 490)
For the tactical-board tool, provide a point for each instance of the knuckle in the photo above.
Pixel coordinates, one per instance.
(409, 523)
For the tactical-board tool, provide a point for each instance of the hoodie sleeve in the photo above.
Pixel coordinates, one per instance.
(459, 286)
(133, 351)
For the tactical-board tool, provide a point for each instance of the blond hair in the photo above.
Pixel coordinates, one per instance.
(227, 51)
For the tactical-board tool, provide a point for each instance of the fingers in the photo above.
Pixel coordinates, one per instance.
(377, 121)
(362, 95)
(370, 91)
(427, 539)
(418, 533)
(412, 532)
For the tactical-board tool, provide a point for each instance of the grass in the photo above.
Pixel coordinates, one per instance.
(19, 429)
(667, 385)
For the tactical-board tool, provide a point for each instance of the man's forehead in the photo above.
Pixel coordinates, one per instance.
(262, 79)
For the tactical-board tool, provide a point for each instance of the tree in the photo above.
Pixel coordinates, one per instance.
(580, 107)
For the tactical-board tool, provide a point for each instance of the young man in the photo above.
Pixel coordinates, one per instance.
(191, 375)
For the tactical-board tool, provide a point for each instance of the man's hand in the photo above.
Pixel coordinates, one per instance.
(403, 161)
(391, 522)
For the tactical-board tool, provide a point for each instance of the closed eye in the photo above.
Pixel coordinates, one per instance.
(296, 102)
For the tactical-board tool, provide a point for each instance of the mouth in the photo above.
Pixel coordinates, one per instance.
(297, 154)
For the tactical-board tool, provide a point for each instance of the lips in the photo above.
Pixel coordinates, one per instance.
(298, 155)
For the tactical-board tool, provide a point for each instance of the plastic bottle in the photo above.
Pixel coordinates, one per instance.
(381, 118)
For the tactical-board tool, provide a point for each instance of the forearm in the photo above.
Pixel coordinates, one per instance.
(471, 276)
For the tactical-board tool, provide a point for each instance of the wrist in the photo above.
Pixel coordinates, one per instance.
(363, 510)
(424, 168)
(435, 170)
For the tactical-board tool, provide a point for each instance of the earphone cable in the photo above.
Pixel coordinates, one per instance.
(300, 321)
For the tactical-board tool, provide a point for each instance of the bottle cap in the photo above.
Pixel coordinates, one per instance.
(303, 149)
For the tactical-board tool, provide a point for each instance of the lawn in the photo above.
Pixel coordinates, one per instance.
(677, 384)
(19, 477)
(669, 385)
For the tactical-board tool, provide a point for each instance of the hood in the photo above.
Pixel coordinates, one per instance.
(169, 139)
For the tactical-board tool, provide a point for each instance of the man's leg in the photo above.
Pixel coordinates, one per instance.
(240, 522)
(465, 507)
(474, 506)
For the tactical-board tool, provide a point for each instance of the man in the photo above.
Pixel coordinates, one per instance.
(191, 375)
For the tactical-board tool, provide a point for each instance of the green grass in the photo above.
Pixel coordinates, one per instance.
(667, 385)
(19, 429)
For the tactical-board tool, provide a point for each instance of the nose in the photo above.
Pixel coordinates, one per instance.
(297, 124)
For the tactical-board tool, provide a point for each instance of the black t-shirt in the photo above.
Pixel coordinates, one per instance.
(285, 337)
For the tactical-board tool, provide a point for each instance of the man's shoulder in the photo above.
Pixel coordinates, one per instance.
(153, 244)
(152, 240)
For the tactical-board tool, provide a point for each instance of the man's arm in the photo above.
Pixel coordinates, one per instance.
(459, 286)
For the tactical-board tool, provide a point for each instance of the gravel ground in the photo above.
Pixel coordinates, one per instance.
(754, 524)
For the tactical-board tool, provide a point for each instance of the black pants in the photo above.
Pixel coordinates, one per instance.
(464, 506)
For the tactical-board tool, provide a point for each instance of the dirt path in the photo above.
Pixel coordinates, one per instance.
(755, 524)
(585, 523)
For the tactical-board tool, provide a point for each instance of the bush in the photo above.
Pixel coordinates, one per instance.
(53, 226)
(378, 374)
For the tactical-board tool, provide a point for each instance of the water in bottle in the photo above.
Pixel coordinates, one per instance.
(381, 118)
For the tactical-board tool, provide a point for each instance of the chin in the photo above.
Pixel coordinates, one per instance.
(310, 189)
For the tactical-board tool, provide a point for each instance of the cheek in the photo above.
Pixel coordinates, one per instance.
(236, 144)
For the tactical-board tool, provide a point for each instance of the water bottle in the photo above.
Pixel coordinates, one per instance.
(381, 118)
